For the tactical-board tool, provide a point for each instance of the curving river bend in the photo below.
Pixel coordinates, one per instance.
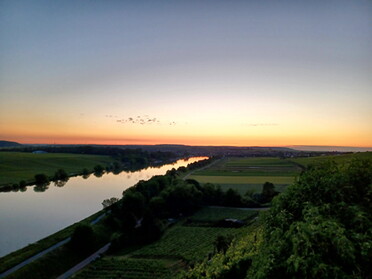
(26, 217)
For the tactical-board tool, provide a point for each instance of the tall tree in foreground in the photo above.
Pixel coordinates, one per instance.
(320, 227)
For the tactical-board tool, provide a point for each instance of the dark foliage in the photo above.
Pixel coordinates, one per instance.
(60, 174)
(321, 226)
(41, 179)
(83, 239)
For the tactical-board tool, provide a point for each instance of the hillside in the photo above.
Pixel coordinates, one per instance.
(4, 143)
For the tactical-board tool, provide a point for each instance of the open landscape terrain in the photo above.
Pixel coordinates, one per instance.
(18, 166)
(249, 174)
(185, 139)
(187, 242)
(215, 239)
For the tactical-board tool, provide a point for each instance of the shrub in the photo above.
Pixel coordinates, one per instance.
(41, 179)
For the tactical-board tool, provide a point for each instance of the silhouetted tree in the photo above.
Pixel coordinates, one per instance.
(41, 179)
(83, 239)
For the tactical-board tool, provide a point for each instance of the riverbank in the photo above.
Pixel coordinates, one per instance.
(25, 253)
(19, 168)
(31, 215)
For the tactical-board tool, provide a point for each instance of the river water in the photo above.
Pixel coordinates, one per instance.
(26, 217)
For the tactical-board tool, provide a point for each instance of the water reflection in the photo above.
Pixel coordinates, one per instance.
(98, 174)
(60, 183)
(39, 213)
(41, 187)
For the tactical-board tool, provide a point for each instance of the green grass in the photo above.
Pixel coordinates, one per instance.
(17, 166)
(130, 268)
(340, 159)
(255, 188)
(253, 172)
(212, 214)
(187, 243)
(20, 255)
(249, 174)
(218, 179)
(165, 258)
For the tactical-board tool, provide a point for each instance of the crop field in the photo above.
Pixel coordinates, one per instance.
(251, 167)
(211, 214)
(130, 268)
(242, 189)
(340, 159)
(187, 243)
(17, 166)
(243, 174)
(243, 179)
(180, 244)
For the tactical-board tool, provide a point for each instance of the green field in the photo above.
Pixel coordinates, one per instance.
(255, 188)
(186, 243)
(243, 179)
(340, 159)
(182, 244)
(17, 166)
(130, 268)
(243, 174)
(212, 214)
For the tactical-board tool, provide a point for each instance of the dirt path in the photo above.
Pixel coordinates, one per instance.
(84, 263)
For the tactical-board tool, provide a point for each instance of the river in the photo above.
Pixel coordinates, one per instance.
(26, 217)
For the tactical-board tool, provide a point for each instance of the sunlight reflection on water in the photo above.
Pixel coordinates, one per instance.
(26, 217)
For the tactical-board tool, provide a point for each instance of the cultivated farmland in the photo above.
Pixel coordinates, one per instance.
(17, 166)
(187, 243)
(339, 159)
(183, 244)
(130, 268)
(243, 174)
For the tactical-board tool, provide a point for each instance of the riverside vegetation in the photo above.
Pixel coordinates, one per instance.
(20, 167)
(319, 227)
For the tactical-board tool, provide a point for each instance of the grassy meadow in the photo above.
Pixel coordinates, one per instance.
(213, 214)
(243, 174)
(339, 159)
(17, 166)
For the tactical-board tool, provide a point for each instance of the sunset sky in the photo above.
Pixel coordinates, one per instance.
(266, 73)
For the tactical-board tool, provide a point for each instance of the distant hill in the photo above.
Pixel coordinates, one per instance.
(326, 148)
(4, 143)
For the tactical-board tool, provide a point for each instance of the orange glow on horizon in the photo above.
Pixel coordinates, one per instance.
(186, 140)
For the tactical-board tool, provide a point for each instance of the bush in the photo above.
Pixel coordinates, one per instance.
(98, 169)
(232, 198)
(83, 239)
(41, 179)
(60, 175)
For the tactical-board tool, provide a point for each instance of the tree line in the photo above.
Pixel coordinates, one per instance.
(145, 210)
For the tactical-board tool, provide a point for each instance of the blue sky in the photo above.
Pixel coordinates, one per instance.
(216, 68)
